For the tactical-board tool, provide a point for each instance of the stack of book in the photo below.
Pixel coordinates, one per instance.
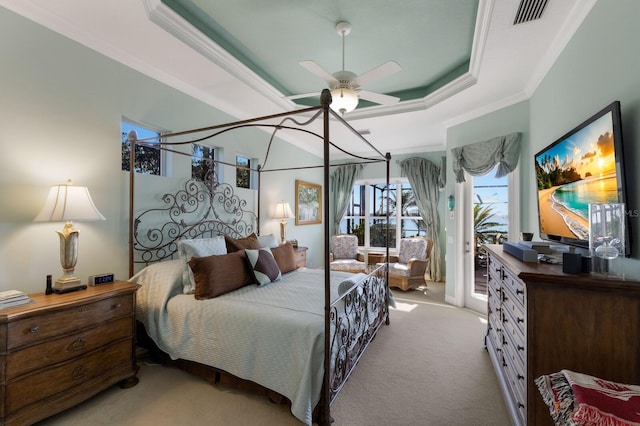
(11, 298)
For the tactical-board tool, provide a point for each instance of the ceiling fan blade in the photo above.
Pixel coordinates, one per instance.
(316, 69)
(378, 98)
(303, 95)
(380, 71)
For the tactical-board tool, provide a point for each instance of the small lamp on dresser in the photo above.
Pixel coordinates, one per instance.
(283, 211)
(66, 203)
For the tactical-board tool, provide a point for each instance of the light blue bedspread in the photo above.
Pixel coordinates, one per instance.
(271, 335)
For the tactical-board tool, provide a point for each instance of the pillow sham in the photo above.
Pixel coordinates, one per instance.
(235, 244)
(263, 266)
(163, 276)
(219, 274)
(285, 257)
(269, 240)
(199, 247)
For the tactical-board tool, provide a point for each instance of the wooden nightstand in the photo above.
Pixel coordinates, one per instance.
(64, 348)
(301, 256)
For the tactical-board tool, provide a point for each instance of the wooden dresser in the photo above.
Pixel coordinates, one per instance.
(64, 348)
(541, 321)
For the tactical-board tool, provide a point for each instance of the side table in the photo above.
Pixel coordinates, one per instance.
(301, 256)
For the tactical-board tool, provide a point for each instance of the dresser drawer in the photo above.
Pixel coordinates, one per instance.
(517, 385)
(34, 387)
(66, 347)
(515, 286)
(495, 271)
(31, 330)
(513, 304)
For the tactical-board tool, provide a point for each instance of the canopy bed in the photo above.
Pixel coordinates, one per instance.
(212, 301)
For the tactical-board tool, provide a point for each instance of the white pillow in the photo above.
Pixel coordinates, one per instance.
(199, 247)
(269, 240)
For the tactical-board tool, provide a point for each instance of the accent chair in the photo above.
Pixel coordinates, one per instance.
(344, 254)
(407, 269)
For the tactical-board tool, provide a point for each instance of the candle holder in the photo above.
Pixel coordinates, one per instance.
(606, 238)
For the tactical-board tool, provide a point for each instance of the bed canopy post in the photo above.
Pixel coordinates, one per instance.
(259, 174)
(132, 175)
(386, 272)
(325, 415)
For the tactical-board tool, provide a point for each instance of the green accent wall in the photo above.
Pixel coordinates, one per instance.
(600, 64)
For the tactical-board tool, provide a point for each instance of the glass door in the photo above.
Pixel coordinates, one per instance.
(490, 217)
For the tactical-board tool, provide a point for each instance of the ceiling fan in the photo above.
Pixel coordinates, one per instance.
(345, 85)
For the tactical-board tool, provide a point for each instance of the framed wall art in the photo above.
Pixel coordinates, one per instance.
(308, 203)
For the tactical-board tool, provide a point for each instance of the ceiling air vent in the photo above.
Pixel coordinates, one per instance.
(529, 10)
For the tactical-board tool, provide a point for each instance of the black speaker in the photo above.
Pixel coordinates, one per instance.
(571, 263)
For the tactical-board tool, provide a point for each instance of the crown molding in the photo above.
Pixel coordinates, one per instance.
(170, 21)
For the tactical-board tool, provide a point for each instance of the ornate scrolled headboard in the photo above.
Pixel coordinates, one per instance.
(197, 210)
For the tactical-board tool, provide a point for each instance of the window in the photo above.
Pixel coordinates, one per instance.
(368, 206)
(148, 159)
(202, 166)
(243, 172)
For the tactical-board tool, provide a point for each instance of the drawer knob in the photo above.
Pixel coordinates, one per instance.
(520, 377)
(520, 348)
(79, 373)
(519, 291)
(79, 343)
(35, 329)
(521, 320)
(116, 306)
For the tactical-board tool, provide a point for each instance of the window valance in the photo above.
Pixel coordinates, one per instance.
(480, 158)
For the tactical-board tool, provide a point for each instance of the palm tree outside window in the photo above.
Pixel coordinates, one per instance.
(366, 214)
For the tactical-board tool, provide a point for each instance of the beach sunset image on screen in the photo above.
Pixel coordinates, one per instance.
(574, 172)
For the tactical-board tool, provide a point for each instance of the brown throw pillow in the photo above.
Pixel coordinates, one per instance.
(219, 274)
(285, 257)
(235, 244)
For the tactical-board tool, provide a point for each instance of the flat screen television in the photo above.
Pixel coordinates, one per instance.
(582, 167)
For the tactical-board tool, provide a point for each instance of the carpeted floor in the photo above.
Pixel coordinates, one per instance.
(429, 367)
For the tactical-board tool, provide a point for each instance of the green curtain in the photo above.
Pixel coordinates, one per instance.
(342, 182)
(426, 181)
(480, 158)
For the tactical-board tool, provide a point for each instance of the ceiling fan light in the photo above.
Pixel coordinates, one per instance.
(343, 100)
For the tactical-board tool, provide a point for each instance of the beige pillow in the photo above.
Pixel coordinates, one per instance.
(220, 274)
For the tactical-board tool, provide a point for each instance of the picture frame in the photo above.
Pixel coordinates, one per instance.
(308, 203)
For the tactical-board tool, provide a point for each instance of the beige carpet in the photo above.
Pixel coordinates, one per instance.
(429, 367)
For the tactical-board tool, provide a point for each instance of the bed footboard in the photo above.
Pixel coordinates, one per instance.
(355, 319)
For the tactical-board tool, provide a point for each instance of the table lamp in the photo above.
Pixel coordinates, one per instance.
(66, 203)
(283, 211)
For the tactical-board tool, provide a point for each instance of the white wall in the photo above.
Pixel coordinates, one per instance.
(61, 107)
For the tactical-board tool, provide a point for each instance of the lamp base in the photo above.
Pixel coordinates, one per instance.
(283, 231)
(70, 289)
(67, 283)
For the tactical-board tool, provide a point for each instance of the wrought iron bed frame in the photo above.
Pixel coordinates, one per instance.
(346, 336)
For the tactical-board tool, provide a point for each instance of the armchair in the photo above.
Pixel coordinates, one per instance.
(344, 254)
(407, 269)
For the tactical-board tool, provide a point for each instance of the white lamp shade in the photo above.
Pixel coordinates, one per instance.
(343, 100)
(67, 203)
(283, 211)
